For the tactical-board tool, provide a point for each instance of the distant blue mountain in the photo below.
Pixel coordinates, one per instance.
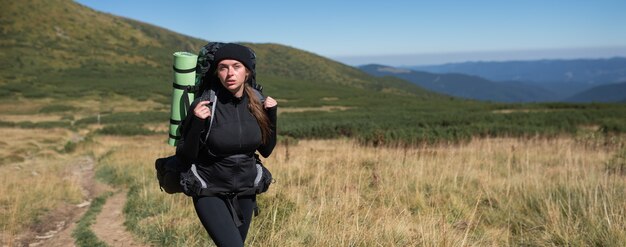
(604, 93)
(564, 77)
(465, 86)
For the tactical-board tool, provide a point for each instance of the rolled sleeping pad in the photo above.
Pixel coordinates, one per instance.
(184, 79)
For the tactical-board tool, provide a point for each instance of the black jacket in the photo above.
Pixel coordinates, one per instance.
(225, 160)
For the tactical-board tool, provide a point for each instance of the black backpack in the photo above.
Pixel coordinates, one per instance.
(176, 176)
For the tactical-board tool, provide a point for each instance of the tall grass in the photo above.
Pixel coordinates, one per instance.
(338, 193)
(159, 218)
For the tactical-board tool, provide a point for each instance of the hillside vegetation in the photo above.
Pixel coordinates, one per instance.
(604, 93)
(70, 54)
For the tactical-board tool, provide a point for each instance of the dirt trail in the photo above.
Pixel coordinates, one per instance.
(58, 229)
(109, 226)
(57, 226)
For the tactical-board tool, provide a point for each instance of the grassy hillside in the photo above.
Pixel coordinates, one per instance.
(61, 35)
(75, 50)
(604, 93)
(62, 49)
(57, 55)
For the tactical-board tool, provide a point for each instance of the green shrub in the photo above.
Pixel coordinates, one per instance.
(69, 147)
(613, 126)
(56, 108)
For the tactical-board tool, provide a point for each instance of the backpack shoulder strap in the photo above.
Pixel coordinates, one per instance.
(210, 95)
(259, 94)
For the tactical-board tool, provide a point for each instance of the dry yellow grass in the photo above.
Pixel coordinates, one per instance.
(20, 145)
(29, 110)
(22, 106)
(337, 193)
(321, 108)
(30, 118)
(37, 177)
(447, 195)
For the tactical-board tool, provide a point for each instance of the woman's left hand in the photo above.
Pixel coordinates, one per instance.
(270, 102)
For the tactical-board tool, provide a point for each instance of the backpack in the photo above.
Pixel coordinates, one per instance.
(174, 175)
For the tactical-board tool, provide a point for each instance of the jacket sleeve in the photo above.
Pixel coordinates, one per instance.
(266, 149)
(189, 146)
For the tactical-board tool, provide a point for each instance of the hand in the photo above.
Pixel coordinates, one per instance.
(270, 102)
(203, 109)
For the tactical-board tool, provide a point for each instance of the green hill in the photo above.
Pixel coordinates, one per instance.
(77, 50)
(61, 50)
(604, 93)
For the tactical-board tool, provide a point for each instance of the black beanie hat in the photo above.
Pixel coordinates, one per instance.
(237, 52)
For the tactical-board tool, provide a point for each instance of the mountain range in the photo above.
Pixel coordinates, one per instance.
(464, 86)
(590, 80)
(565, 78)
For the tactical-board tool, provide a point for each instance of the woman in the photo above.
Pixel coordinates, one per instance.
(225, 158)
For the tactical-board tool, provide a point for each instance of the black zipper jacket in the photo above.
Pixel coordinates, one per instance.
(225, 160)
(233, 115)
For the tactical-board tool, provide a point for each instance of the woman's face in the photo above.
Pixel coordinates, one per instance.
(233, 75)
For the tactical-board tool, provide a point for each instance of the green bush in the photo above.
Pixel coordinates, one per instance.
(69, 147)
(613, 126)
(56, 108)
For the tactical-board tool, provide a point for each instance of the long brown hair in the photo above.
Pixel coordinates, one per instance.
(258, 111)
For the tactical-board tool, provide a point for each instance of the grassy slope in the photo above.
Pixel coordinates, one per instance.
(62, 49)
(73, 48)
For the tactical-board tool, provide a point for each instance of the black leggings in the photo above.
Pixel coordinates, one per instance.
(217, 219)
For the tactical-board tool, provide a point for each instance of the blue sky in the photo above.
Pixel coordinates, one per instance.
(395, 32)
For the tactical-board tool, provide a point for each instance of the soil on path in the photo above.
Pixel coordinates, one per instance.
(57, 226)
(109, 226)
